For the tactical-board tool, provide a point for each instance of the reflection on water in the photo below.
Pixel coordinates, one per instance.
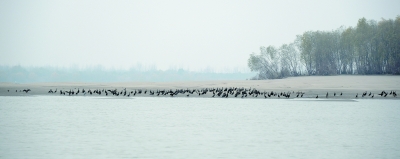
(86, 127)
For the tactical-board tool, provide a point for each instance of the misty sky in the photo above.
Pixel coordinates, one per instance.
(187, 34)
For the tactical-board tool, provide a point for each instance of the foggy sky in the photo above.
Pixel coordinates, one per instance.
(191, 35)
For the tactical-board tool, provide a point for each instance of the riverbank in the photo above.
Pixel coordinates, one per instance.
(311, 86)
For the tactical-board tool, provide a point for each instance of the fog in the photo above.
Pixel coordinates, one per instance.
(21, 74)
(216, 35)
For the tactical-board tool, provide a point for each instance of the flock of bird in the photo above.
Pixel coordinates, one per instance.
(364, 94)
(216, 92)
(25, 90)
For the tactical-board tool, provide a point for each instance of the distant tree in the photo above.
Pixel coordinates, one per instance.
(369, 48)
(267, 63)
(290, 59)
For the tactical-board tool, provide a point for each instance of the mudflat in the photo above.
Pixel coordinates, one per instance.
(311, 86)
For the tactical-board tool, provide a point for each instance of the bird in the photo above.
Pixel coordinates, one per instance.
(326, 94)
(357, 95)
(316, 97)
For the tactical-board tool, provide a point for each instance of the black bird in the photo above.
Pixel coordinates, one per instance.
(8, 90)
(372, 96)
(326, 94)
(334, 94)
(341, 93)
(357, 95)
(316, 97)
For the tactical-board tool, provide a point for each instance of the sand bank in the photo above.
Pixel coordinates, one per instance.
(349, 85)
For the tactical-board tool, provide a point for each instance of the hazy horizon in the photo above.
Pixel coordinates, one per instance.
(22, 74)
(167, 34)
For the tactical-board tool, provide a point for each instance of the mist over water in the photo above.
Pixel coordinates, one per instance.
(87, 127)
(21, 74)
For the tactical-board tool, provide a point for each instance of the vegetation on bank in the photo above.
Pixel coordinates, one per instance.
(369, 48)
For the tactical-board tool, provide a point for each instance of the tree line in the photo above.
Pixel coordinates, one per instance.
(371, 47)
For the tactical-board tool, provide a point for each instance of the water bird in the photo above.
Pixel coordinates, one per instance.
(316, 97)
(26, 90)
(364, 94)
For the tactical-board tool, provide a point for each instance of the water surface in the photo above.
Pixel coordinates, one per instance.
(90, 127)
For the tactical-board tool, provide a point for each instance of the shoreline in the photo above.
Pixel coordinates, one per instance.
(311, 86)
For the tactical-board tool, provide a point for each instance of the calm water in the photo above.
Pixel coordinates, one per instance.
(87, 127)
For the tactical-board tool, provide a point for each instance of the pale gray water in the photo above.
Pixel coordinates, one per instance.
(87, 127)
